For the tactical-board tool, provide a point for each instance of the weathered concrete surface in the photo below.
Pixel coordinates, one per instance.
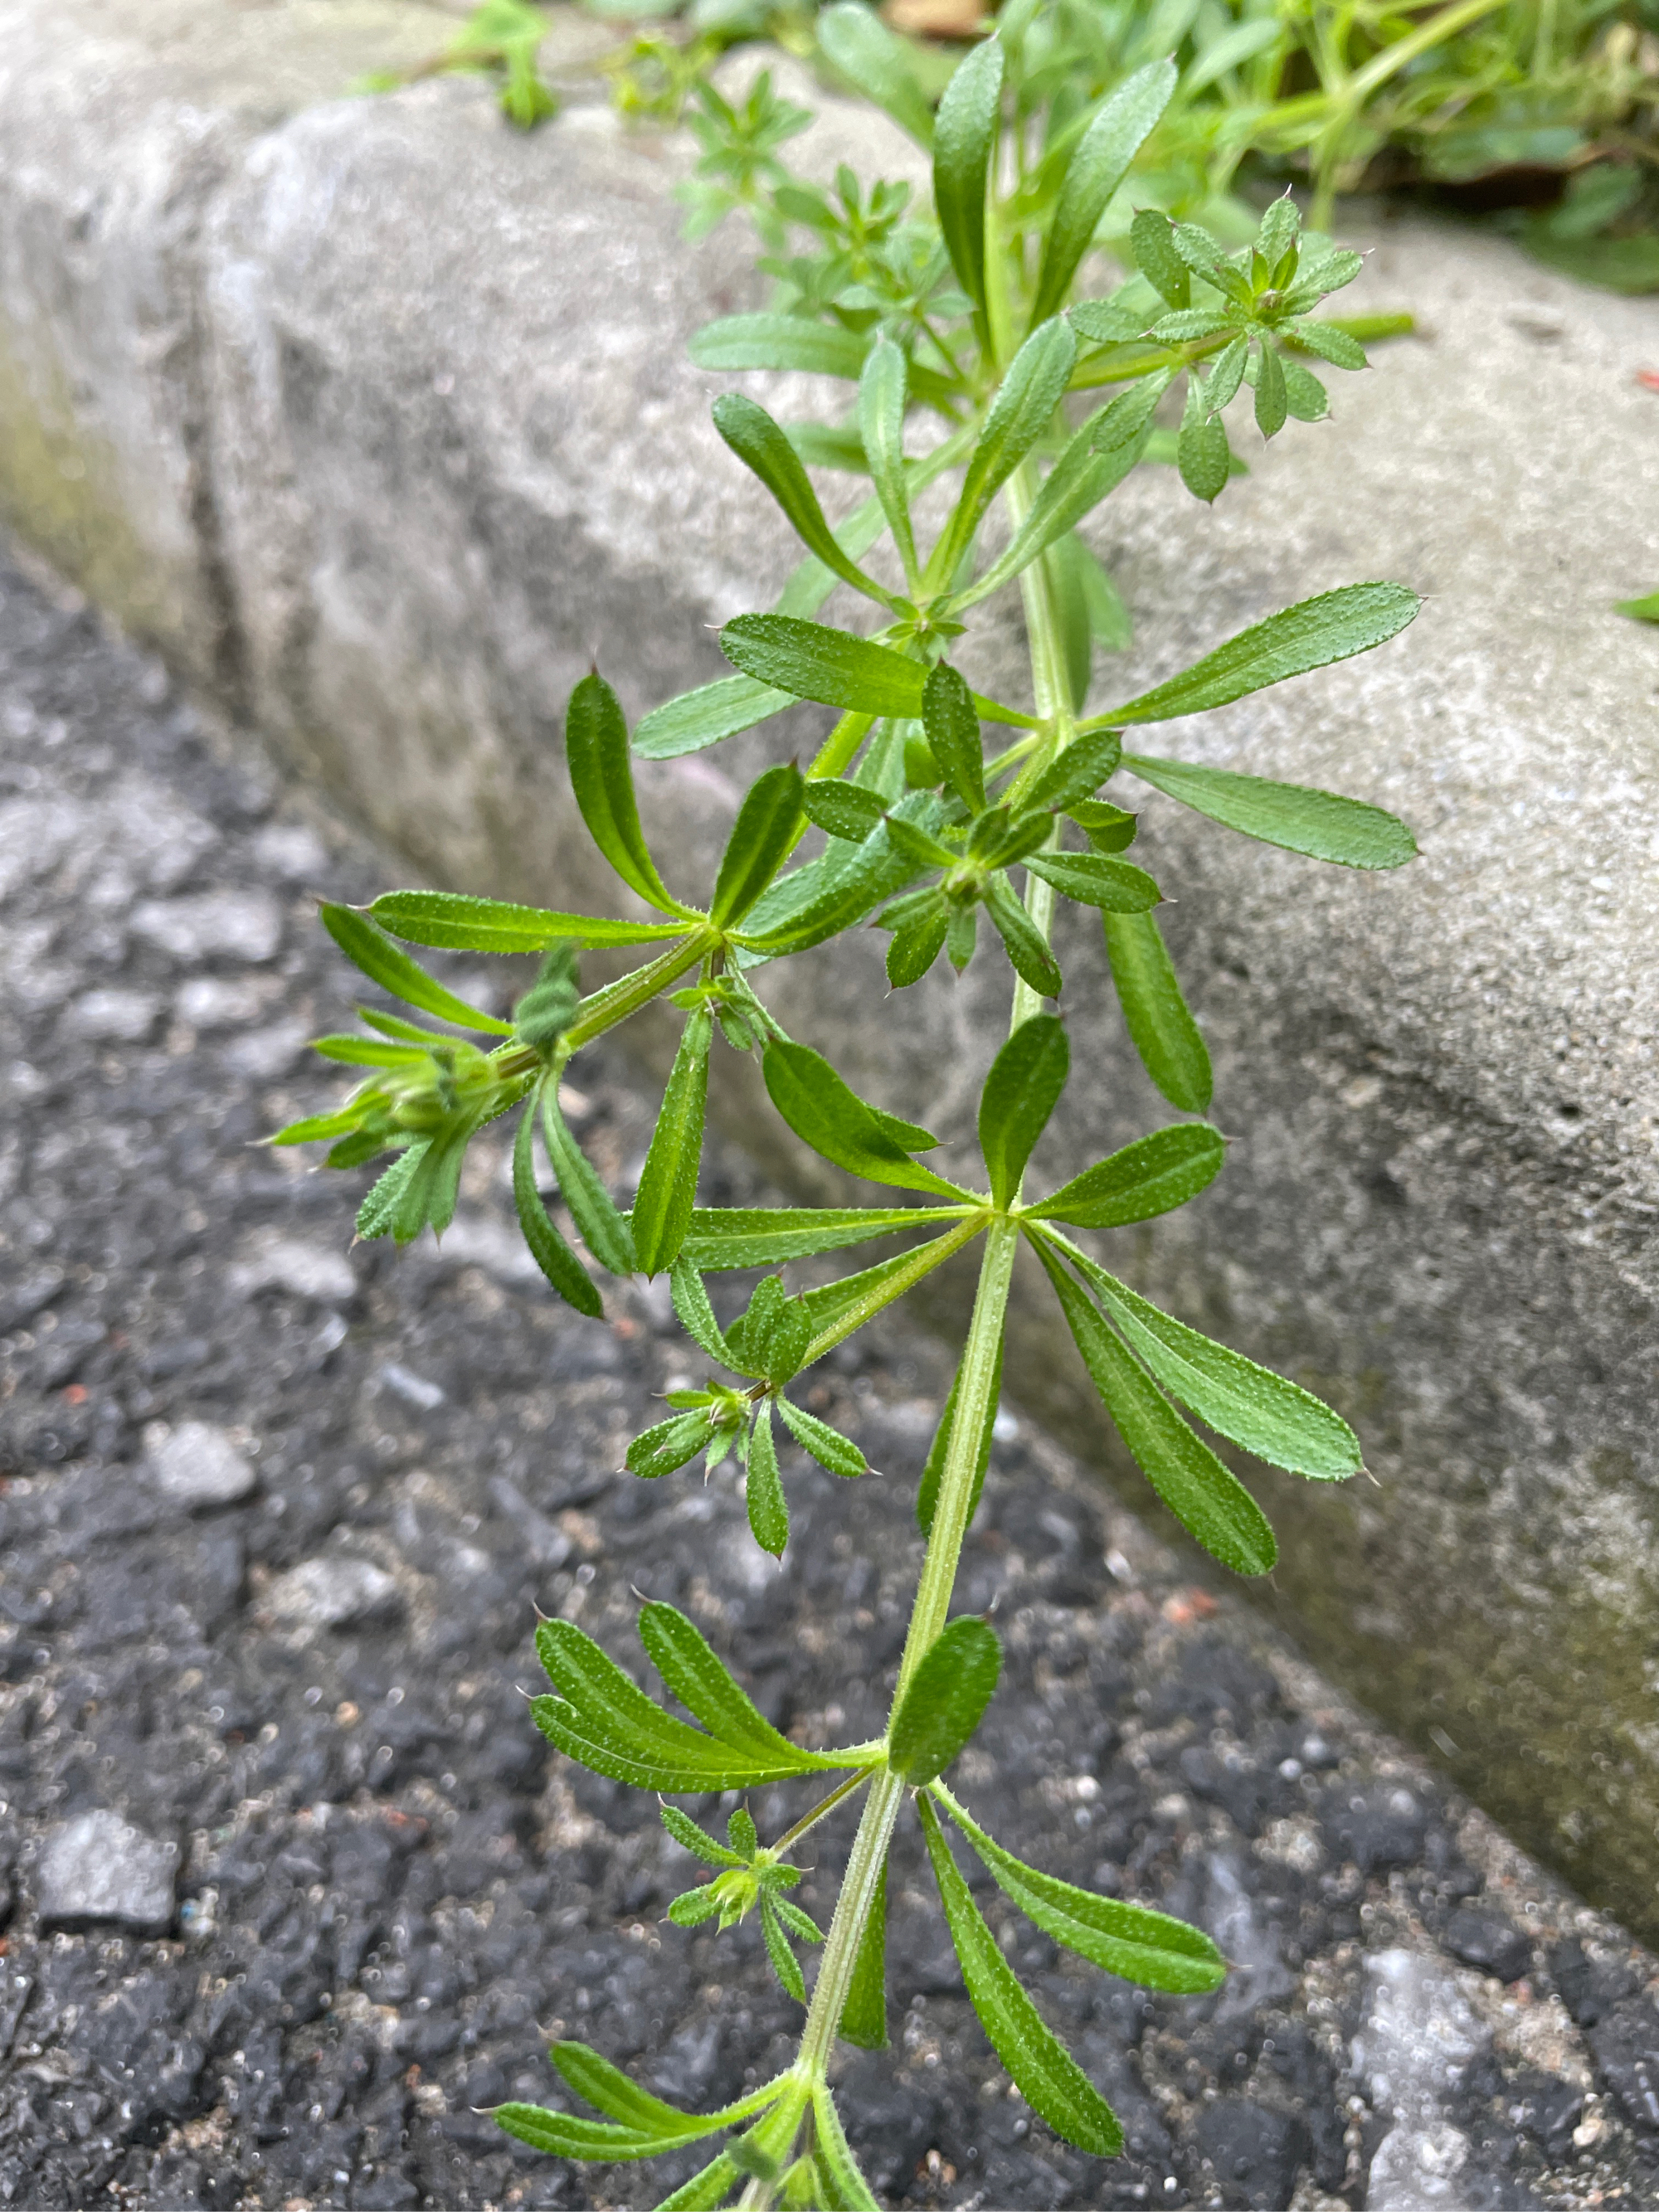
(448, 446)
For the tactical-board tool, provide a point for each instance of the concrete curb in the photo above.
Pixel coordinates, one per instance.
(376, 419)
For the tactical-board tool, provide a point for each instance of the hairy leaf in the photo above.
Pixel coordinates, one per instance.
(1165, 1034)
(1252, 1406)
(1321, 824)
(760, 445)
(837, 1124)
(1020, 1093)
(785, 342)
(454, 919)
(1094, 173)
(603, 1230)
(602, 778)
(668, 1187)
(1115, 886)
(946, 1700)
(883, 389)
(1332, 627)
(964, 135)
(547, 1248)
(1021, 413)
(860, 44)
(1149, 1177)
(1207, 1499)
(706, 715)
(1027, 948)
(368, 947)
(835, 1453)
(768, 824)
(1048, 2077)
(952, 727)
(768, 1514)
(693, 1670)
(810, 661)
(1142, 1945)
(864, 2016)
(761, 1237)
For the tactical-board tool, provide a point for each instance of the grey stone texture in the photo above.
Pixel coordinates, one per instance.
(199, 1465)
(386, 410)
(98, 1869)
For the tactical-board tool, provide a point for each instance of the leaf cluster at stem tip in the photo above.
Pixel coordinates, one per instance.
(955, 822)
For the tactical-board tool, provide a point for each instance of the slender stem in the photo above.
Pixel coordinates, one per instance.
(824, 1805)
(858, 1894)
(957, 1482)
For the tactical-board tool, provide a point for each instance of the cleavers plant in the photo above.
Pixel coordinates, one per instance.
(952, 848)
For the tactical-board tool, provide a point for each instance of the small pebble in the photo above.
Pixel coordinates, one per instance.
(334, 1593)
(196, 1466)
(97, 1868)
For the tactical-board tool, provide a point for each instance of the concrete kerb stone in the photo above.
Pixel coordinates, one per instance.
(434, 440)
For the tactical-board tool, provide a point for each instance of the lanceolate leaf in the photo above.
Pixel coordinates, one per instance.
(785, 1965)
(1140, 1945)
(881, 393)
(848, 2190)
(1027, 948)
(768, 822)
(380, 1207)
(603, 1229)
(1020, 1093)
(668, 1187)
(761, 1237)
(786, 342)
(1312, 635)
(952, 727)
(658, 1451)
(810, 661)
(706, 715)
(1166, 1036)
(945, 1701)
(861, 47)
(768, 1514)
(964, 133)
(372, 950)
(1094, 463)
(1097, 169)
(1252, 1406)
(697, 1315)
(1116, 886)
(548, 1249)
(821, 1109)
(694, 1672)
(863, 2016)
(481, 925)
(835, 1453)
(1209, 1501)
(1048, 2077)
(605, 1721)
(759, 443)
(1020, 414)
(705, 2192)
(1150, 1176)
(847, 810)
(596, 754)
(611, 2092)
(1081, 769)
(1320, 824)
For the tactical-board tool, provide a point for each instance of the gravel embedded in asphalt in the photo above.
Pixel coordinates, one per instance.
(278, 1511)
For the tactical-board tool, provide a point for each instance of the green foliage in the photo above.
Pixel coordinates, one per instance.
(910, 819)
